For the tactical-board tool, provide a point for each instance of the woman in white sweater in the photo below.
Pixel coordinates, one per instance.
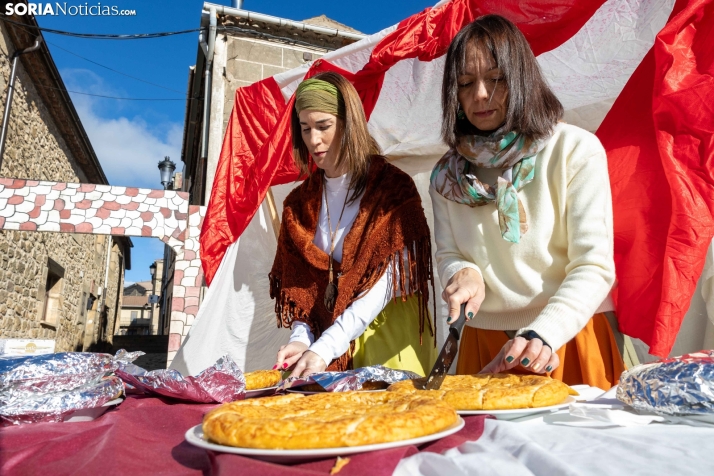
(523, 217)
(353, 265)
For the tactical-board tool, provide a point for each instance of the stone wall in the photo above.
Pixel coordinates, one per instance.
(114, 293)
(35, 148)
(23, 271)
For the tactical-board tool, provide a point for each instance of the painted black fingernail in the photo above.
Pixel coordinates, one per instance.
(525, 361)
(509, 359)
(471, 315)
(448, 320)
(549, 368)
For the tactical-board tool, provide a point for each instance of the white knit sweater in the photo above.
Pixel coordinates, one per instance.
(561, 272)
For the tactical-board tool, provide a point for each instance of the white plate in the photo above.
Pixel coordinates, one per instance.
(260, 392)
(195, 437)
(519, 412)
(307, 392)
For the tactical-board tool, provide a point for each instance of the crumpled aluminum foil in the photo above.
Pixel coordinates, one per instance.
(222, 382)
(44, 407)
(51, 386)
(55, 372)
(350, 379)
(677, 386)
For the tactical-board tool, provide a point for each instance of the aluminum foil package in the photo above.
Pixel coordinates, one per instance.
(55, 406)
(222, 382)
(677, 386)
(58, 372)
(350, 379)
(51, 386)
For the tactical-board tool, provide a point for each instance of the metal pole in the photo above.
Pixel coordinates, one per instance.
(208, 75)
(10, 90)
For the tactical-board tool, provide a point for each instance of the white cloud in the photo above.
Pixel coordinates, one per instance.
(128, 148)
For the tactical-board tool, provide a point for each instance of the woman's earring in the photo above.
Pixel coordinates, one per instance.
(460, 114)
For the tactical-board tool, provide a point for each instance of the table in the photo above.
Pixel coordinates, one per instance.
(145, 436)
(547, 445)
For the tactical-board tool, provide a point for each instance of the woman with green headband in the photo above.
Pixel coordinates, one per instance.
(352, 270)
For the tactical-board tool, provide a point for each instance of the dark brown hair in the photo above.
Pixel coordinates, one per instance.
(533, 109)
(357, 146)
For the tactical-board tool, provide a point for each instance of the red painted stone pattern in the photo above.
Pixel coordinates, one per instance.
(84, 228)
(174, 342)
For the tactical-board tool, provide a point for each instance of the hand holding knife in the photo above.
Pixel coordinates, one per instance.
(448, 352)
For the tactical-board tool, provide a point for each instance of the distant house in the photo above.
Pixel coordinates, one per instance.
(135, 310)
(139, 313)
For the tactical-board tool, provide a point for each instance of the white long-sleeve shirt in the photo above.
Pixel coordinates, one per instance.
(354, 320)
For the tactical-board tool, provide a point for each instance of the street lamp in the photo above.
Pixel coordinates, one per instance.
(166, 168)
(152, 270)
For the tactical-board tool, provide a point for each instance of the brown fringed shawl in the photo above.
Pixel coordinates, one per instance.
(390, 219)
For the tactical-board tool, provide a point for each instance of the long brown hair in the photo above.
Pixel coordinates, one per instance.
(357, 146)
(533, 109)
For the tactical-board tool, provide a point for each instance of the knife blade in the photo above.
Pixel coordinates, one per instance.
(447, 354)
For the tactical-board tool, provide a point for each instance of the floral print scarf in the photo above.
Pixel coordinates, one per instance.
(452, 176)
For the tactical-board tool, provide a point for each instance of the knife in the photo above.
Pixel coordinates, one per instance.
(447, 354)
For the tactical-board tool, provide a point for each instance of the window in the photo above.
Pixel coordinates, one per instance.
(53, 293)
(134, 315)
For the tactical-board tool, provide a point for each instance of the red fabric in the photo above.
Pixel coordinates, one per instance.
(145, 435)
(659, 136)
(256, 150)
(237, 170)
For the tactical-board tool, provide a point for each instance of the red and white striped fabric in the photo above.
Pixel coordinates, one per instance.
(637, 72)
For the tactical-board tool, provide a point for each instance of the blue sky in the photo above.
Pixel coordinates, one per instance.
(131, 137)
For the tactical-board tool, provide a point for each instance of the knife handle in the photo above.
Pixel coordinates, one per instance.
(456, 328)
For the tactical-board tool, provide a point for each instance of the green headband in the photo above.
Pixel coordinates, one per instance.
(319, 95)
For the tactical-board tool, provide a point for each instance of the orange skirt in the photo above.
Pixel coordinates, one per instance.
(591, 357)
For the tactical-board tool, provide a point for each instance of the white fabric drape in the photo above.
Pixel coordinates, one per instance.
(237, 316)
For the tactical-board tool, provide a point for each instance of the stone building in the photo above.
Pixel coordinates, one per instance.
(135, 316)
(60, 286)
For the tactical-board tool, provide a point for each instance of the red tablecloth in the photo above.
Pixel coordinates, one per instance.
(145, 435)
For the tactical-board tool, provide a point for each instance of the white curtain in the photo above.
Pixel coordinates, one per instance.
(237, 316)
